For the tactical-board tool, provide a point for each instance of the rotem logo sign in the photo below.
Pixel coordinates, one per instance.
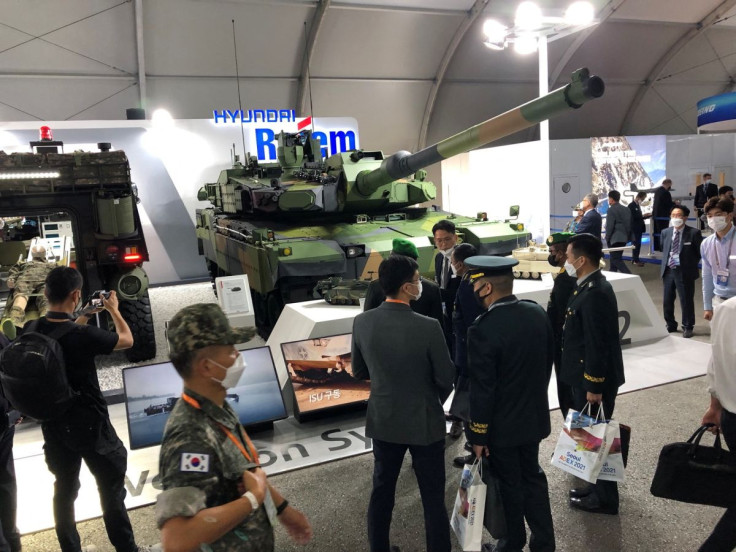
(262, 126)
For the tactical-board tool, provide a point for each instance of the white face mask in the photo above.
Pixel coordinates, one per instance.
(448, 252)
(232, 374)
(676, 222)
(717, 223)
(575, 213)
(419, 291)
(570, 269)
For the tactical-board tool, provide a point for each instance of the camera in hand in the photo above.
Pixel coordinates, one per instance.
(95, 299)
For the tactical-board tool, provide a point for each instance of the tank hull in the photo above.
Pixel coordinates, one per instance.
(286, 268)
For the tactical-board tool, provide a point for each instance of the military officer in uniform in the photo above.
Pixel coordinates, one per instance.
(509, 409)
(556, 307)
(592, 363)
(215, 493)
(27, 278)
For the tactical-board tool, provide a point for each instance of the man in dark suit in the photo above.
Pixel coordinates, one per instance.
(405, 357)
(428, 302)
(703, 193)
(445, 240)
(465, 312)
(591, 222)
(618, 230)
(663, 204)
(556, 307)
(9, 535)
(509, 410)
(592, 363)
(637, 226)
(679, 270)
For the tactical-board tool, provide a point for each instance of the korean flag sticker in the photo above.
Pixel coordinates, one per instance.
(195, 462)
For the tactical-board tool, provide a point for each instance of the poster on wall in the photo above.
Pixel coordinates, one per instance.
(628, 164)
(321, 372)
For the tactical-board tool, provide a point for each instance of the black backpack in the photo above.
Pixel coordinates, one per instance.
(33, 373)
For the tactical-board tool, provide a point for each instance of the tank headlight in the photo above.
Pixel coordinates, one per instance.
(353, 251)
(518, 226)
(285, 251)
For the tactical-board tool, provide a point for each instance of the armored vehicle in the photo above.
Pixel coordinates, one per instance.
(532, 261)
(289, 224)
(85, 200)
(337, 291)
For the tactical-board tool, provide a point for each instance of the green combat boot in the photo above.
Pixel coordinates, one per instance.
(8, 328)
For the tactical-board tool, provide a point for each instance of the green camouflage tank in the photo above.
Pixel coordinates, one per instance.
(290, 224)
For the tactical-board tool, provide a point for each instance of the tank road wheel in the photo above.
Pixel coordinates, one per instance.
(138, 316)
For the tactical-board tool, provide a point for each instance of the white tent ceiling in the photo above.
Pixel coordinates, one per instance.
(400, 67)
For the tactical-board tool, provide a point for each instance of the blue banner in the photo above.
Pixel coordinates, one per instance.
(717, 108)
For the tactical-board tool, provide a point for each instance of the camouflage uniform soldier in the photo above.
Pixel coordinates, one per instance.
(26, 278)
(215, 493)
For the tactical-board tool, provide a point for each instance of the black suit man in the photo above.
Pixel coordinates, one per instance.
(429, 303)
(637, 226)
(509, 410)
(618, 230)
(704, 192)
(661, 208)
(679, 270)
(592, 363)
(561, 292)
(445, 239)
(591, 223)
(405, 357)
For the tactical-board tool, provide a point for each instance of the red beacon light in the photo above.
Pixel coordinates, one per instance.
(45, 134)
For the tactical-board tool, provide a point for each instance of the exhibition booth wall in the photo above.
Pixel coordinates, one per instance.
(547, 180)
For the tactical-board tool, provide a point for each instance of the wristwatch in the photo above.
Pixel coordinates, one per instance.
(252, 499)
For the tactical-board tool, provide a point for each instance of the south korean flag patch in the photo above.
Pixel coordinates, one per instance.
(195, 462)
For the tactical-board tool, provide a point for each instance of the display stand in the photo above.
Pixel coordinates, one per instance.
(307, 320)
(233, 296)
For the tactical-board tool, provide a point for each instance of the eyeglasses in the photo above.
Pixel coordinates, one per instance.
(444, 240)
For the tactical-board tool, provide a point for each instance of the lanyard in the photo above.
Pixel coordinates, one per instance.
(253, 456)
(730, 251)
(396, 301)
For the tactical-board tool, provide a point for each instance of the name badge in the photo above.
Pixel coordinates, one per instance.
(676, 258)
(687, 243)
(722, 277)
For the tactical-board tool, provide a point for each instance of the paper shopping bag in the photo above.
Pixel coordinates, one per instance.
(582, 446)
(613, 468)
(467, 515)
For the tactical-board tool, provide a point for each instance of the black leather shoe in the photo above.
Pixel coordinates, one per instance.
(687, 333)
(592, 504)
(460, 461)
(580, 493)
(468, 446)
(672, 329)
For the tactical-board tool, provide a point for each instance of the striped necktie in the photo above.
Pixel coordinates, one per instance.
(675, 249)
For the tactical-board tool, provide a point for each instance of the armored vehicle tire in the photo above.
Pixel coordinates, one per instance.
(138, 316)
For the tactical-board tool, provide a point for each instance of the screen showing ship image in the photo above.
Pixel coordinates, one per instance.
(321, 373)
(152, 391)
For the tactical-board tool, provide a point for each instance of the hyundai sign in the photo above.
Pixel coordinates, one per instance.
(717, 112)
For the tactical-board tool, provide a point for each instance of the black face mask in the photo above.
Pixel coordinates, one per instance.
(552, 259)
(480, 298)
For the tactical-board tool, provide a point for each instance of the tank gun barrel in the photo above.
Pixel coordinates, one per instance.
(582, 88)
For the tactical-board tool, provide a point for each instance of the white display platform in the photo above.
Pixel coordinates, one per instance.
(292, 445)
(306, 320)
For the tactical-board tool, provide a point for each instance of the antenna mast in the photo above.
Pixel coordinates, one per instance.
(309, 75)
(240, 100)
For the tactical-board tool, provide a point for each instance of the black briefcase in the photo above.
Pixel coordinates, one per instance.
(494, 517)
(698, 474)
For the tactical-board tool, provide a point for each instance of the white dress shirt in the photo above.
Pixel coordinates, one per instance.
(721, 376)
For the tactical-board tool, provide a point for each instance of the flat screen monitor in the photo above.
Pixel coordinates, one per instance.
(322, 375)
(152, 391)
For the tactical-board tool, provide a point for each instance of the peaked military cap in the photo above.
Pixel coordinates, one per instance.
(201, 325)
(489, 265)
(400, 246)
(559, 237)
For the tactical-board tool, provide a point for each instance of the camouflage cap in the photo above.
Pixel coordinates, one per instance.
(198, 326)
(559, 237)
(400, 246)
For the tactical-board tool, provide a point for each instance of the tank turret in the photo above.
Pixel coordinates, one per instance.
(305, 219)
(359, 181)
